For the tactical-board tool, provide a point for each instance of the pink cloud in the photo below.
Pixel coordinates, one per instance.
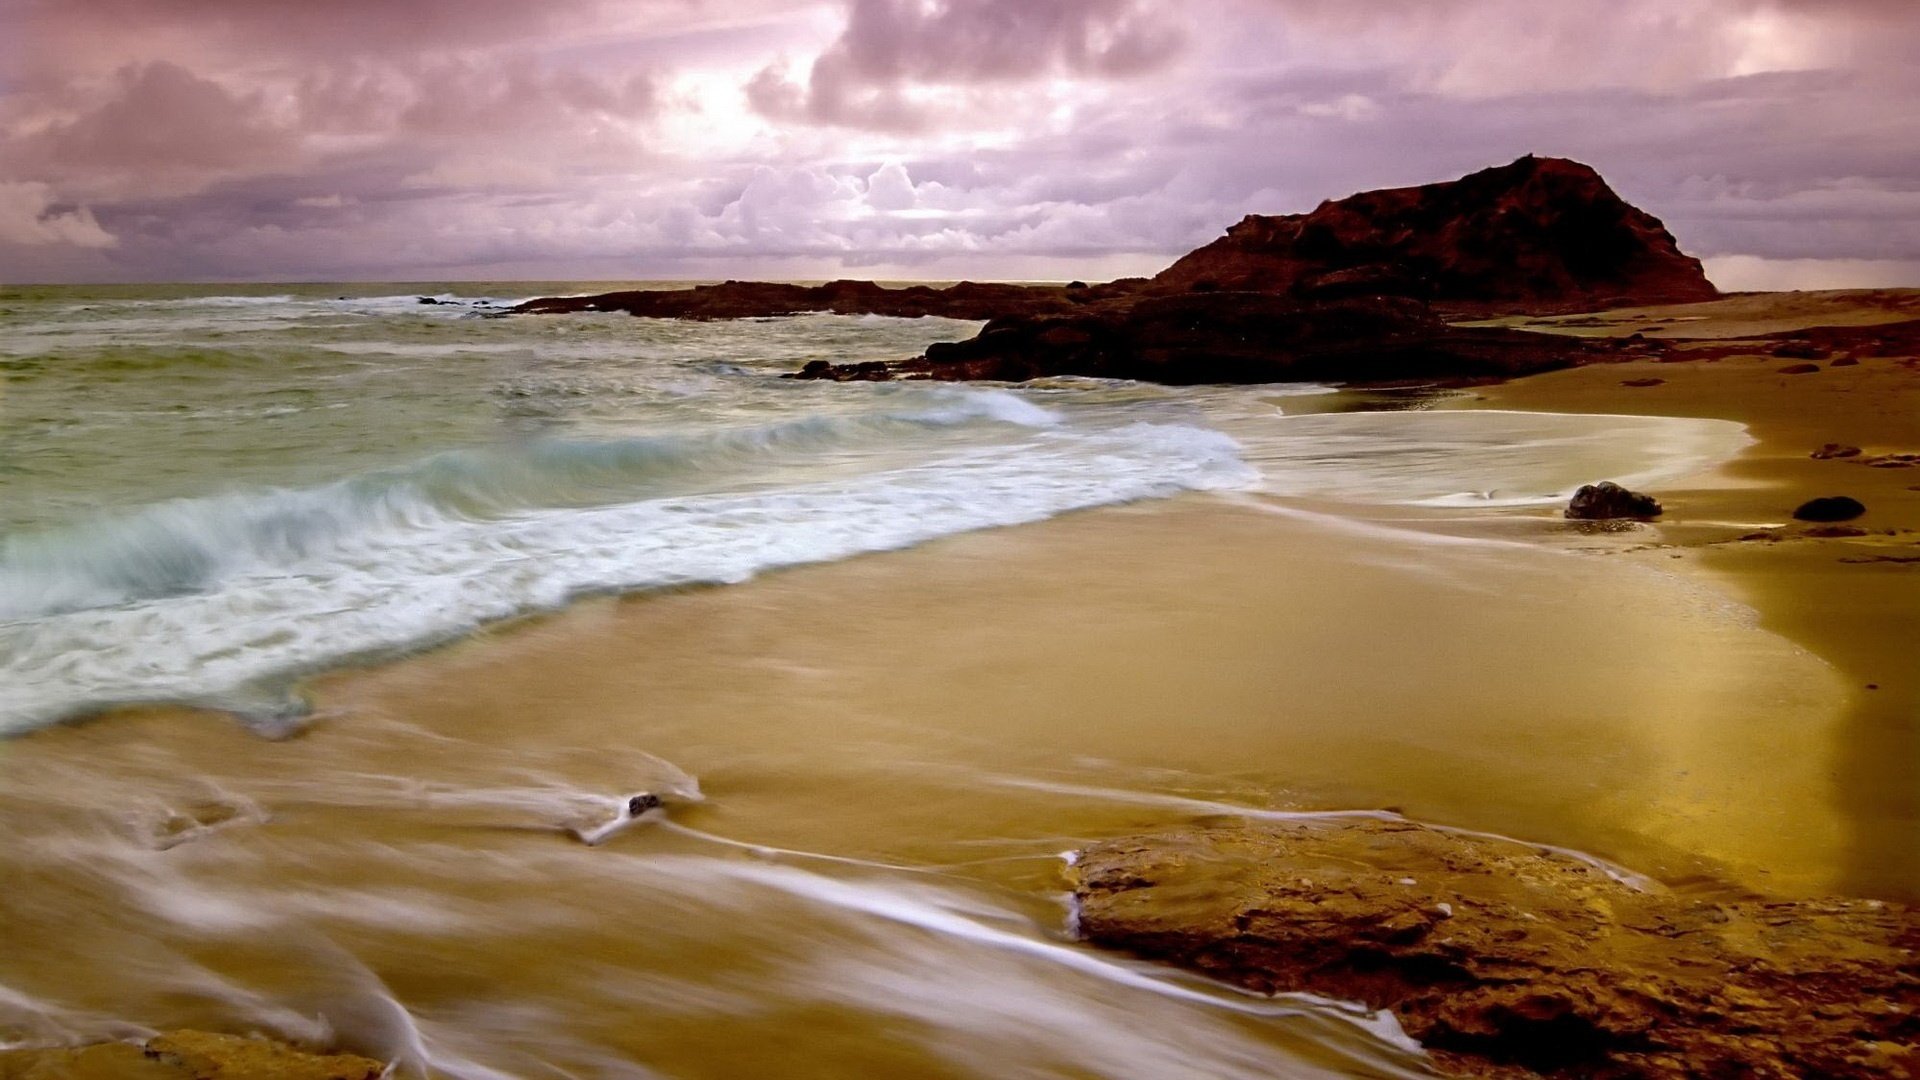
(634, 138)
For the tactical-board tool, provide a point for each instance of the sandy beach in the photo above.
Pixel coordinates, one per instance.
(1849, 599)
(874, 764)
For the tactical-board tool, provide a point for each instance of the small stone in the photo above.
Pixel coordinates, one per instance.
(1830, 508)
(1642, 382)
(1834, 450)
(1799, 369)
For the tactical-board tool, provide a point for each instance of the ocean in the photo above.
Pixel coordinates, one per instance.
(333, 622)
(206, 493)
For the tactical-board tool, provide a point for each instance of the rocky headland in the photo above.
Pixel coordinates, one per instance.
(1505, 959)
(1537, 235)
(1358, 290)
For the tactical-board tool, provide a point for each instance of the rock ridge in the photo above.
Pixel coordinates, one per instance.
(1505, 959)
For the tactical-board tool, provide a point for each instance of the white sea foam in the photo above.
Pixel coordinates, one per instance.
(200, 600)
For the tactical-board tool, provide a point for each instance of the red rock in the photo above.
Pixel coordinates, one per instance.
(1539, 234)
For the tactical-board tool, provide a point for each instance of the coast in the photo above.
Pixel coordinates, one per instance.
(701, 769)
(1507, 958)
(880, 759)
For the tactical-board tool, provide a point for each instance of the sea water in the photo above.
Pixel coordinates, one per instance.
(211, 496)
(205, 494)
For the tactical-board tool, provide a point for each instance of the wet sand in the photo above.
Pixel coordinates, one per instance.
(880, 759)
(1852, 600)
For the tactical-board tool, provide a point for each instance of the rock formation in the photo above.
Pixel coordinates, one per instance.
(1539, 234)
(1339, 294)
(1606, 499)
(1829, 508)
(766, 299)
(1503, 959)
(1219, 337)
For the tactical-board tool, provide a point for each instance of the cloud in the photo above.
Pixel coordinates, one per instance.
(271, 139)
(28, 217)
(876, 73)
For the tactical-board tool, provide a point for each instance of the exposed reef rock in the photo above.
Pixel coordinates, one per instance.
(185, 1055)
(767, 299)
(1339, 294)
(1829, 508)
(1538, 234)
(1218, 337)
(1507, 960)
(1606, 500)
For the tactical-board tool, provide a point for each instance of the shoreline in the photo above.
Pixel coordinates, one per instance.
(1850, 599)
(960, 711)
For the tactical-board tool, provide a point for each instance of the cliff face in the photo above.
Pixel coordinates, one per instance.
(1539, 234)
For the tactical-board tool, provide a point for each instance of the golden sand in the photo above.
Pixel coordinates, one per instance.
(1692, 705)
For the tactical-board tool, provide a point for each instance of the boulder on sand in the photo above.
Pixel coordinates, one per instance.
(1830, 508)
(1606, 499)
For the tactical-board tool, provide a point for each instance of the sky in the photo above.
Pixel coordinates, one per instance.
(418, 140)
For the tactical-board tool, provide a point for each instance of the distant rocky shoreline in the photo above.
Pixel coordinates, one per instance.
(1358, 290)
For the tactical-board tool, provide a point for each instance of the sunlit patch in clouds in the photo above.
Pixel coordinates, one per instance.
(215, 139)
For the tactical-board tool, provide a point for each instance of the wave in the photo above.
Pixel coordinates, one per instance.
(218, 600)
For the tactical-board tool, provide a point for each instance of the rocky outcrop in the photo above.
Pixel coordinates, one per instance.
(1606, 500)
(1505, 959)
(1230, 338)
(766, 299)
(185, 1055)
(1339, 294)
(1540, 234)
(1829, 508)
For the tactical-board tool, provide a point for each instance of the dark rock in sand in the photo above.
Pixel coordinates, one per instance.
(643, 802)
(1834, 532)
(1799, 369)
(1799, 350)
(1639, 383)
(1844, 361)
(1606, 499)
(1504, 959)
(1539, 234)
(1223, 337)
(1834, 450)
(426, 300)
(1830, 508)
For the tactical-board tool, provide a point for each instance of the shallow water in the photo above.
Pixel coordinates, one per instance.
(872, 761)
